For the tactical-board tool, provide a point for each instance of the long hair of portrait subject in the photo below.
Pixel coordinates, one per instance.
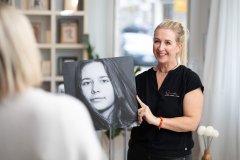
(124, 89)
(124, 108)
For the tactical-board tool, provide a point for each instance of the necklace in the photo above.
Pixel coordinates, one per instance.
(168, 70)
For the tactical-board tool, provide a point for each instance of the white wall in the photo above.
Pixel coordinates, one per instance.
(100, 26)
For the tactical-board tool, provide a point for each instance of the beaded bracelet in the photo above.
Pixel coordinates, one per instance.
(161, 123)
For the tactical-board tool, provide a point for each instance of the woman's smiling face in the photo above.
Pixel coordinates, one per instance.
(96, 86)
(165, 47)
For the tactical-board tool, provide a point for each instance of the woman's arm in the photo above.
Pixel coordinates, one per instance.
(192, 108)
(192, 111)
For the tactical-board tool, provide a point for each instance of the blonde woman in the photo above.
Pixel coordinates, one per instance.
(36, 125)
(170, 97)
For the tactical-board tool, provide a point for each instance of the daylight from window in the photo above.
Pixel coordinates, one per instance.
(135, 22)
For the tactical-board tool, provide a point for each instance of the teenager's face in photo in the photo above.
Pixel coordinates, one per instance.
(96, 86)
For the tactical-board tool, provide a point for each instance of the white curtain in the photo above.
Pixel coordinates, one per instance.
(221, 79)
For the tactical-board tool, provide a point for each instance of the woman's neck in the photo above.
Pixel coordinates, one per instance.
(166, 68)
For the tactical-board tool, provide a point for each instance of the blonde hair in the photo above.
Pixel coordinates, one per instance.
(181, 36)
(19, 54)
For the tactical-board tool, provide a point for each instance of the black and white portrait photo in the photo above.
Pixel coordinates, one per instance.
(107, 88)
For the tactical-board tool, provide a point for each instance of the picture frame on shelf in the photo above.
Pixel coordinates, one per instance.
(68, 31)
(36, 26)
(62, 60)
(72, 5)
(38, 4)
(48, 36)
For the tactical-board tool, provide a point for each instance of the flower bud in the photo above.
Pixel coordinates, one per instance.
(201, 130)
(209, 131)
(215, 133)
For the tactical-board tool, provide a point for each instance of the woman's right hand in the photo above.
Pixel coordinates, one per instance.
(145, 113)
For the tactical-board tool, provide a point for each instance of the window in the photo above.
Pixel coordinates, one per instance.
(135, 22)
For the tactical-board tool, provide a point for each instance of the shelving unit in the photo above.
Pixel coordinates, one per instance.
(47, 17)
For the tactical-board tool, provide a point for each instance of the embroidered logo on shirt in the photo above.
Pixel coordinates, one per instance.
(171, 94)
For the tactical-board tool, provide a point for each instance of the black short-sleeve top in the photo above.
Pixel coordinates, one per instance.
(167, 101)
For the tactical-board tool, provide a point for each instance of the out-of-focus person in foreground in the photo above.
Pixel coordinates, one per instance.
(35, 124)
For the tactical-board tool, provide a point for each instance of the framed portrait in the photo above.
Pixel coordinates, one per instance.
(68, 32)
(107, 88)
(38, 4)
(36, 26)
(62, 60)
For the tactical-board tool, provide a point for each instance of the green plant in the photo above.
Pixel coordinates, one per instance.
(137, 69)
(115, 132)
(90, 48)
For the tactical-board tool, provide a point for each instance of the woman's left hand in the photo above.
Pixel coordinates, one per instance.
(145, 113)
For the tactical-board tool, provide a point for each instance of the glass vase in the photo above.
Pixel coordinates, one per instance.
(206, 155)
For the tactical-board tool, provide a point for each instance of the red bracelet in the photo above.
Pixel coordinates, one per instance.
(161, 123)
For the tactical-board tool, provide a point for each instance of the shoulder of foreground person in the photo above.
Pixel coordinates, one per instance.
(74, 123)
(47, 125)
(45, 97)
(45, 103)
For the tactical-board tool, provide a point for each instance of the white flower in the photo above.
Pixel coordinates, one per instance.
(201, 130)
(215, 133)
(208, 133)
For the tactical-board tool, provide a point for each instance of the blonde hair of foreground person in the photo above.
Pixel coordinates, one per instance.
(35, 124)
(20, 58)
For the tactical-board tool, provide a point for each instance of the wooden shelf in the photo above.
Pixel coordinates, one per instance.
(37, 12)
(47, 32)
